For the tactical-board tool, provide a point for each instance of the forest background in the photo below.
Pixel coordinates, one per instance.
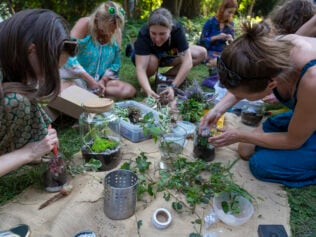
(72, 9)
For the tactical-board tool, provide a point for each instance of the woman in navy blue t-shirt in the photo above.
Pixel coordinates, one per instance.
(162, 42)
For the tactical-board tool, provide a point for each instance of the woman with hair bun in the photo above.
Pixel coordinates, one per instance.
(283, 149)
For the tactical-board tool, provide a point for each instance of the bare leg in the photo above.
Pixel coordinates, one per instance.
(116, 89)
(246, 150)
(153, 65)
(199, 54)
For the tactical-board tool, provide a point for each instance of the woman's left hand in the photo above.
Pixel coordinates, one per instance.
(225, 138)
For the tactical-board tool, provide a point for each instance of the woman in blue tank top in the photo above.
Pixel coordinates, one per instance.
(283, 149)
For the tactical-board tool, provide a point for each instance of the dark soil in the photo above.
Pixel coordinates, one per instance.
(251, 119)
(109, 160)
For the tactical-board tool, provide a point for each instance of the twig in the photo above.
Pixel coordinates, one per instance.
(62, 193)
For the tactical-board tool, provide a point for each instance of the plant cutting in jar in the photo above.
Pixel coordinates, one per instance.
(202, 148)
(55, 176)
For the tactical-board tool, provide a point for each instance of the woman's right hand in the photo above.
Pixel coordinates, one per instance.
(153, 94)
(40, 148)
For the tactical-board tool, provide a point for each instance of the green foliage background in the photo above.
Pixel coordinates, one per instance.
(73, 9)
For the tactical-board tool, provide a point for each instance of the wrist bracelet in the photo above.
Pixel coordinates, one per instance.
(173, 86)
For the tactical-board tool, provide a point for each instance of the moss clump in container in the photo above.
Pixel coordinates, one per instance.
(107, 150)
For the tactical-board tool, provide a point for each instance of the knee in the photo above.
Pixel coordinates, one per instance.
(245, 150)
(152, 66)
(128, 91)
(201, 55)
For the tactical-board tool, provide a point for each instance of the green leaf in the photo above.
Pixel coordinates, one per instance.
(225, 206)
(139, 224)
(93, 165)
(126, 166)
(195, 235)
(177, 206)
(166, 196)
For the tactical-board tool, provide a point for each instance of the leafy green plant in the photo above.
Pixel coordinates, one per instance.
(231, 206)
(191, 110)
(197, 180)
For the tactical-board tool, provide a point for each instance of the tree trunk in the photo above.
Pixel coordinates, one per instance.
(190, 8)
(11, 10)
(251, 7)
(173, 6)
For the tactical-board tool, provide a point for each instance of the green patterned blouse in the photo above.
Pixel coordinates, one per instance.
(21, 121)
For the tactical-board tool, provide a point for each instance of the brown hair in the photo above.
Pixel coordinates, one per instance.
(47, 31)
(290, 16)
(256, 58)
(162, 17)
(225, 4)
(102, 13)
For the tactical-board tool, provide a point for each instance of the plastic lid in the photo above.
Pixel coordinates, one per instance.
(98, 105)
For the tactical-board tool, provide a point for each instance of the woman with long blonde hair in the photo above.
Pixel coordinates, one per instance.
(97, 64)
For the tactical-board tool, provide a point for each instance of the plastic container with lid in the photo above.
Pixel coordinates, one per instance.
(100, 133)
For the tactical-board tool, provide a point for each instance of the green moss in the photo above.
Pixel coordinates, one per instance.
(102, 144)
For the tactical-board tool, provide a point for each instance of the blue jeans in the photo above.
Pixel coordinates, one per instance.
(293, 168)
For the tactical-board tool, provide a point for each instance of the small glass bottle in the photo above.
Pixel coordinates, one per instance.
(100, 137)
(252, 113)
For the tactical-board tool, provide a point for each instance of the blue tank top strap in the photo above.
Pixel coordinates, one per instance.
(307, 66)
(292, 102)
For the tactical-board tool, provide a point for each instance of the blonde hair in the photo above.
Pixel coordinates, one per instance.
(256, 57)
(102, 13)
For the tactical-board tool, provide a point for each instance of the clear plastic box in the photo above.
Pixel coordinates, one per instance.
(134, 132)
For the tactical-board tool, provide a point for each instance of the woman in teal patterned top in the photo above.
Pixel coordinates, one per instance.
(97, 64)
(29, 61)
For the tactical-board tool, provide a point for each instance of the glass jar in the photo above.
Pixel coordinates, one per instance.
(100, 138)
(202, 149)
(252, 113)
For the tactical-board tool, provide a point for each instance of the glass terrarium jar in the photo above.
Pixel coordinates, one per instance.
(100, 137)
(252, 113)
(202, 149)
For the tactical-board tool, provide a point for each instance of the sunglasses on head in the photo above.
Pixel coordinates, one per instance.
(232, 78)
(71, 47)
(112, 11)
